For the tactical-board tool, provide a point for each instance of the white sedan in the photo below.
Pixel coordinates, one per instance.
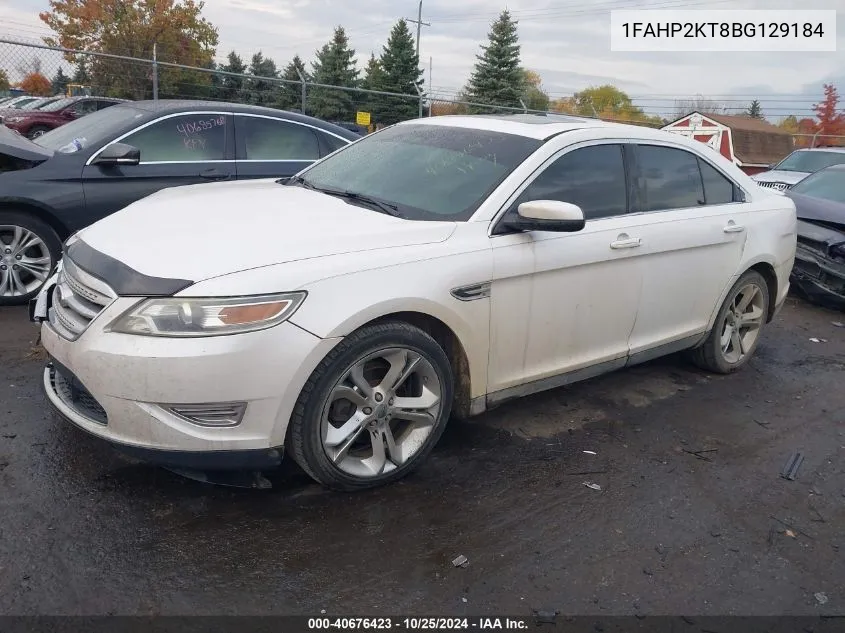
(433, 269)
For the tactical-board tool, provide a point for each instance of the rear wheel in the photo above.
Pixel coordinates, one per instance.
(738, 325)
(36, 131)
(29, 249)
(373, 409)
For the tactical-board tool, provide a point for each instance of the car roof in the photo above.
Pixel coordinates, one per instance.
(163, 106)
(536, 126)
(838, 150)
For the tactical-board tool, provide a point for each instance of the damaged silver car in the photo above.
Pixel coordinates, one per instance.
(819, 271)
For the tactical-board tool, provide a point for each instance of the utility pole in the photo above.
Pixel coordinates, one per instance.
(419, 24)
(155, 73)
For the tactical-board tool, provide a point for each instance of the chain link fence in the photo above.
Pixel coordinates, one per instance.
(52, 71)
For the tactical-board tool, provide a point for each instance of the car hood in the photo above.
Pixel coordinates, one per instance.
(198, 232)
(17, 146)
(787, 177)
(811, 209)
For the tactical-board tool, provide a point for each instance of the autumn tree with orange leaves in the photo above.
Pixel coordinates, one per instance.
(831, 119)
(131, 28)
(37, 85)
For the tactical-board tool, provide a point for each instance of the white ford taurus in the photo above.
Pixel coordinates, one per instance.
(433, 269)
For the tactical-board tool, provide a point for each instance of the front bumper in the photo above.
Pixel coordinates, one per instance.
(114, 385)
(818, 277)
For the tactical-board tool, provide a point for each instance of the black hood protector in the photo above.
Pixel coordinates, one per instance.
(17, 146)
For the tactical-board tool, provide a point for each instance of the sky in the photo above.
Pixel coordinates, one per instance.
(566, 41)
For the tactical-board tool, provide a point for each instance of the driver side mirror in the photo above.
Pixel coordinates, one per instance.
(118, 154)
(546, 215)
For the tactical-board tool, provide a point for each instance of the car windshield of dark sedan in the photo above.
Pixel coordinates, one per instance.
(427, 172)
(828, 185)
(92, 129)
(810, 161)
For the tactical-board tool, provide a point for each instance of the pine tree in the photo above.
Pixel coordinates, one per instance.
(60, 82)
(373, 80)
(498, 78)
(290, 95)
(81, 74)
(400, 73)
(232, 87)
(755, 111)
(262, 92)
(335, 66)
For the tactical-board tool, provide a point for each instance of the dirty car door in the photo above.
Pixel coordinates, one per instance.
(176, 150)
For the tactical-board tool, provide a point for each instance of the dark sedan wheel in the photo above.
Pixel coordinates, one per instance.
(29, 249)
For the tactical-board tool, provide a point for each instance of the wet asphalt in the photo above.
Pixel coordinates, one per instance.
(692, 516)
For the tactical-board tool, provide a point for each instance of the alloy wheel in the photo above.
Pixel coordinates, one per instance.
(25, 261)
(742, 323)
(381, 412)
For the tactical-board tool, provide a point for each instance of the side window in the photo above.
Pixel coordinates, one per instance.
(591, 177)
(333, 143)
(668, 179)
(102, 105)
(84, 107)
(272, 139)
(717, 188)
(186, 138)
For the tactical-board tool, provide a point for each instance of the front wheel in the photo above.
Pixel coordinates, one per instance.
(29, 249)
(738, 325)
(373, 409)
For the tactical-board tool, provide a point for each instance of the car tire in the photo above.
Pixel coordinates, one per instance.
(736, 331)
(36, 131)
(335, 439)
(22, 269)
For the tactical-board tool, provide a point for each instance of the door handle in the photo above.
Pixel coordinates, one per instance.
(733, 228)
(626, 242)
(213, 174)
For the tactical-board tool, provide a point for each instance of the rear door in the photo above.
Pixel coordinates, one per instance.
(690, 219)
(273, 147)
(177, 149)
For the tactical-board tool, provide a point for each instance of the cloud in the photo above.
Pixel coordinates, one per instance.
(568, 44)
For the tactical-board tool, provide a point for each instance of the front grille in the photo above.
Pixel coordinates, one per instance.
(77, 300)
(779, 186)
(72, 392)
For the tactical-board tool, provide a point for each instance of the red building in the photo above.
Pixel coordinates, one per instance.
(752, 144)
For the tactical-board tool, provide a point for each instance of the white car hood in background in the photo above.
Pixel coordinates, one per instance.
(786, 177)
(203, 231)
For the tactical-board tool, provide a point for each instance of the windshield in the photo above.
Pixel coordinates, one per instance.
(427, 172)
(828, 185)
(810, 161)
(41, 104)
(58, 105)
(17, 102)
(90, 130)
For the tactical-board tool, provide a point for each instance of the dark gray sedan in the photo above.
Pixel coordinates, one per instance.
(819, 270)
(94, 166)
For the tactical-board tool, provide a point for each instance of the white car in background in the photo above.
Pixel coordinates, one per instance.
(436, 268)
(798, 165)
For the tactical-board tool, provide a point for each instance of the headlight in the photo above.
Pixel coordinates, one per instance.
(190, 316)
(13, 119)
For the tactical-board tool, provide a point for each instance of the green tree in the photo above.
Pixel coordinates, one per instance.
(4, 81)
(498, 78)
(232, 87)
(595, 100)
(335, 66)
(262, 92)
(81, 75)
(400, 73)
(60, 82)
(373, 80)
(290, 95)
(755, 111)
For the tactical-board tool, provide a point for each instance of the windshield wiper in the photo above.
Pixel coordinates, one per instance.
(385, 207)
(296, 180)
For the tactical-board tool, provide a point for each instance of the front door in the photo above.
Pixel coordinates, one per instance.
(175, 150)
(563, 302)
